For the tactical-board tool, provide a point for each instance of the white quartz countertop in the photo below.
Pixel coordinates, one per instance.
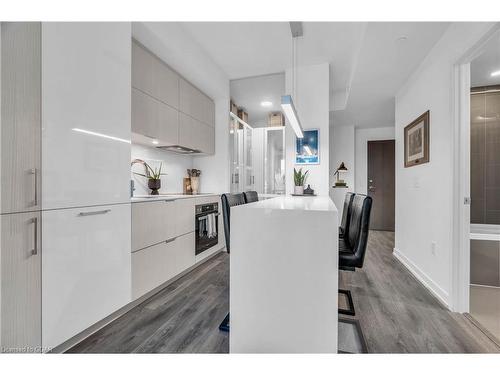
(314, 203)
(167, 197)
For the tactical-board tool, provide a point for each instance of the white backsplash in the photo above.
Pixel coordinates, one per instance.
(173, 165)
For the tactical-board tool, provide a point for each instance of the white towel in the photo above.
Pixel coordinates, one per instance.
(211, 226)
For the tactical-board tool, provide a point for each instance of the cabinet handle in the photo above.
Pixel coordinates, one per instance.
(94, 213)
(34, 221)
(171, 240)
(34, 172)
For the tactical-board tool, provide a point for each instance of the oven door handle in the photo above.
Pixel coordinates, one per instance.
(206, 215)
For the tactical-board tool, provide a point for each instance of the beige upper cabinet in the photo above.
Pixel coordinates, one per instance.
(168, 108)
(142, 69)
(195, 104)
(21, 292)
(154, 77)
(165, 83)
(196, 134)
(21, 117)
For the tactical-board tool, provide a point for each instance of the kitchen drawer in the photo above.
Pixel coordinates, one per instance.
(86, 268)
(157, 264)
(185, 211)
(150, 267)
(152, 222)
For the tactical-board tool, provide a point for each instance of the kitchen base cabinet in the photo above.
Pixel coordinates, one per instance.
(157, 264)
(85, 268)
(20, 283)
(152, 223)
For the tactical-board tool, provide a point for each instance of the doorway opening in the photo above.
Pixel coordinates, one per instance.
(257, 135)
(381, 183)
(484, 293)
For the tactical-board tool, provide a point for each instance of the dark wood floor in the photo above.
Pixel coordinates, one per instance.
(396, 313)
(182, 318)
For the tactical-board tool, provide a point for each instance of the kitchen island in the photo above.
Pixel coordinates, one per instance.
(284, 276)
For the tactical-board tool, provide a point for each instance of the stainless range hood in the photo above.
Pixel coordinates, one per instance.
(179, 149)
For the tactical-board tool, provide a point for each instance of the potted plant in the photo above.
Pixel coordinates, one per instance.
(299, 179)
(153, 176)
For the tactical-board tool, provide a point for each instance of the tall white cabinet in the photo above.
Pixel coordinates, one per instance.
(66, 115)
(85, 175)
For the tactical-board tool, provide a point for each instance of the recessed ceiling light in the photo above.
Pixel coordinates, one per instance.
(154, 141)
(495, 73)
(266, 104)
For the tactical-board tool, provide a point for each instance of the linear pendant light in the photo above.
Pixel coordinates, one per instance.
(286, 100)
(291, 115)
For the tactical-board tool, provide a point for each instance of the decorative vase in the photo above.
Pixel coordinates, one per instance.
(195, 185)
(298, 190)
(154, 185)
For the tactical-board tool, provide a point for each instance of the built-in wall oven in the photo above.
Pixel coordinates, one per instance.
(207, 226)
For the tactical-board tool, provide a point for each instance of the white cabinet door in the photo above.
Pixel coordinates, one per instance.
(20, 124)
(152, 222)
(86, 268)
(21, 292)
(86, 113)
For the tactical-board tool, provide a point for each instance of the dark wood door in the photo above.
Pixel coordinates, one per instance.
(381, 183)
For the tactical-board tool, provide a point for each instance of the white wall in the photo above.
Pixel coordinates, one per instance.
(312, 104)
(173, 165)
(363, 135)
(174, 45)
(424, 211)
(341, 150)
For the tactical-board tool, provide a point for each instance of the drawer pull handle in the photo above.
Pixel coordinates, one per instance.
(171, 240)
(102, 212)
(34, 172)
(34, 251)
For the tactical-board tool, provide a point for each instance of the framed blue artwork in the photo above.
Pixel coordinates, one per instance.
(307, 148)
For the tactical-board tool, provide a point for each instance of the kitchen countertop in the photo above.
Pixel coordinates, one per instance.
(168, 197)
(286, 202)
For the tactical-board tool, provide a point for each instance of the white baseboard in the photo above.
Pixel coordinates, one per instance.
(425, 280)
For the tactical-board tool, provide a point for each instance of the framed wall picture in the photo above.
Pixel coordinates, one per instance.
(307, 148)
(417, 141)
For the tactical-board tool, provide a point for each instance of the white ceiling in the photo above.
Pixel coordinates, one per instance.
(367, 64)
(486, 63)
(249, 93)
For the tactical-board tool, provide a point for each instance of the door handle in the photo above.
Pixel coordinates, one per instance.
(34, 221)
(371, 188)
(34, 172)
(102, 212)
